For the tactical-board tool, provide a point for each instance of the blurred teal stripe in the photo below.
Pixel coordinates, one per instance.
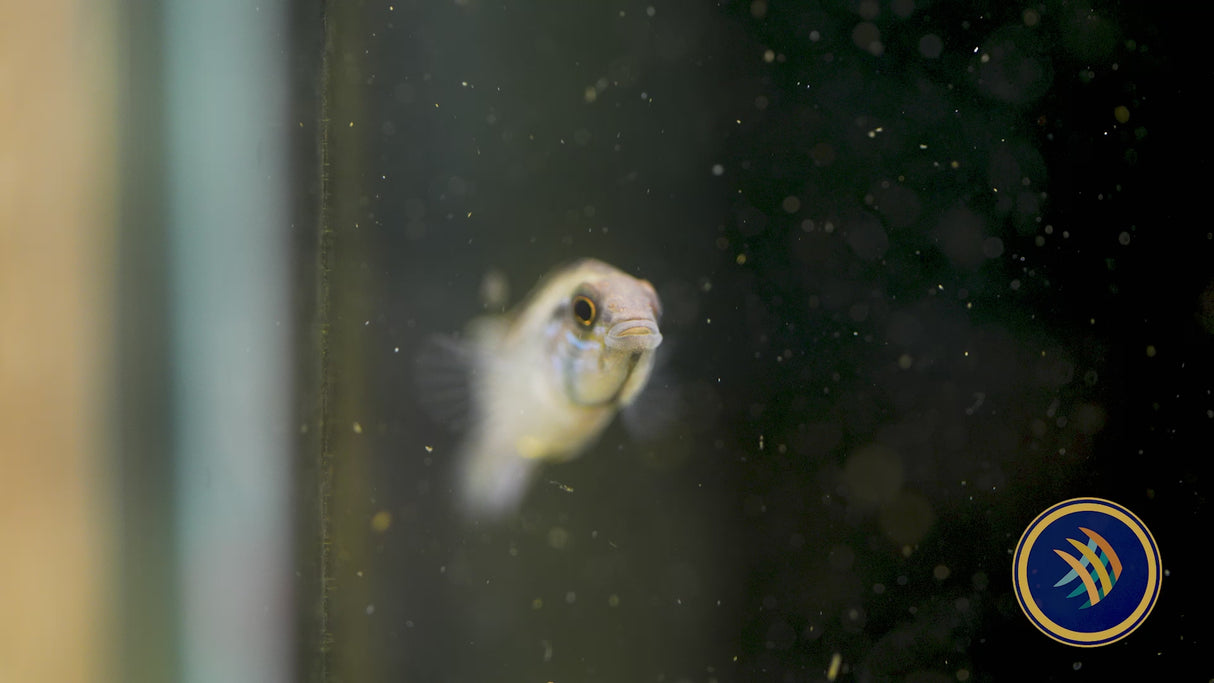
(226, 92)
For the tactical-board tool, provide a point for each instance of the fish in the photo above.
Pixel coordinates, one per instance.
(546, 378)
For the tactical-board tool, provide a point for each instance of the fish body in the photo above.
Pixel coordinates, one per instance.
(547, 378)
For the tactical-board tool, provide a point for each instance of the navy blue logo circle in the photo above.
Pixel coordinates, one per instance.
(1087, 572)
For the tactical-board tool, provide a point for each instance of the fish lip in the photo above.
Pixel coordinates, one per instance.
(634, 335)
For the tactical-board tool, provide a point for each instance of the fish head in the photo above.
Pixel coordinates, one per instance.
(608, 335)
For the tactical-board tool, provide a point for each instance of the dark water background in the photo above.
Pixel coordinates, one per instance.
(928, 268)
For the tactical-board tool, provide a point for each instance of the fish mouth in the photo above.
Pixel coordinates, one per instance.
(634, 335)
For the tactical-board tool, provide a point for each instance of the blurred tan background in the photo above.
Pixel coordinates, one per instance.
(57, 190)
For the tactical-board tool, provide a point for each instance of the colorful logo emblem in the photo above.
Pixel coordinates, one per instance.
(1087, 572)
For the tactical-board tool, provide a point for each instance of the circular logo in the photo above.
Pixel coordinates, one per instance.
(1087, 572)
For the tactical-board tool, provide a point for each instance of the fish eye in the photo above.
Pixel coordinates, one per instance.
(583, 310)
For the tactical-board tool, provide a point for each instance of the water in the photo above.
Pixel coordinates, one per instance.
(918, 287)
